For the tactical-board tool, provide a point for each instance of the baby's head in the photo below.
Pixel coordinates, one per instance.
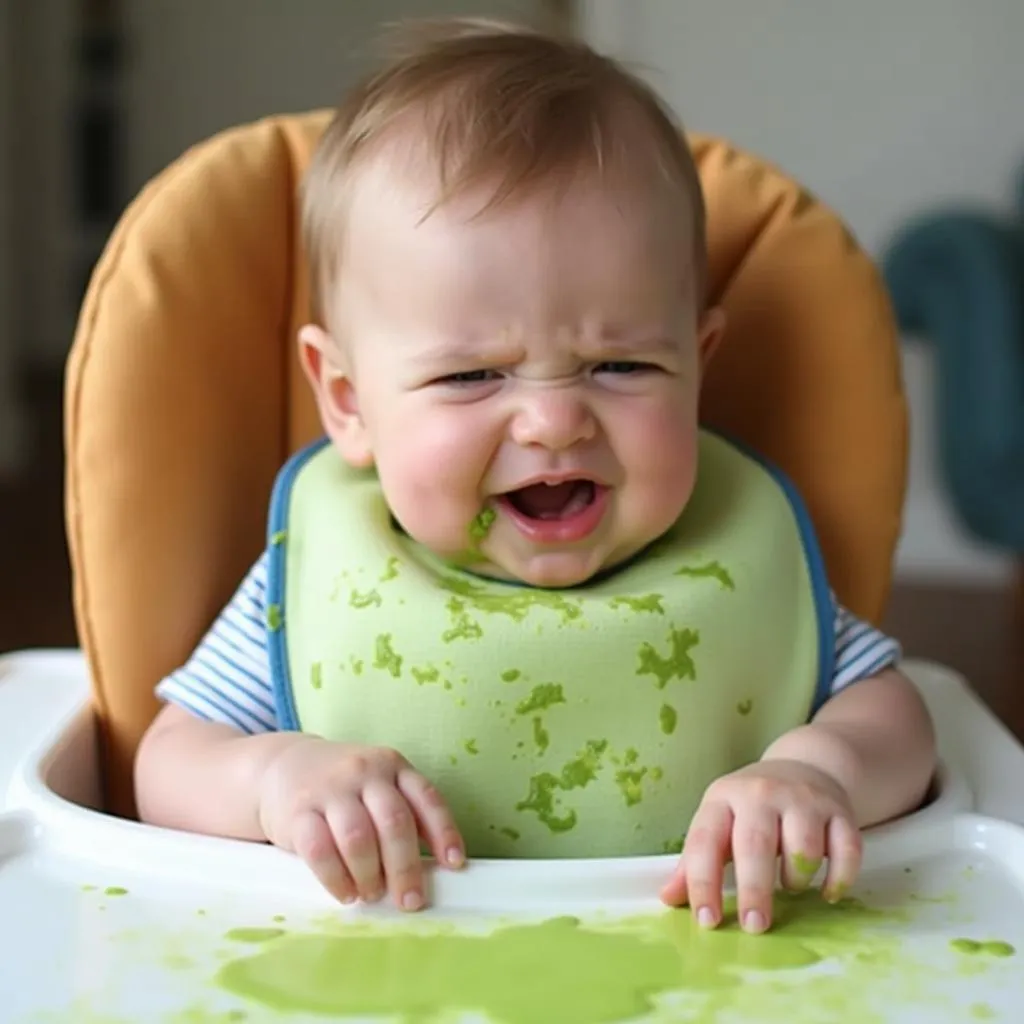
(506, 241)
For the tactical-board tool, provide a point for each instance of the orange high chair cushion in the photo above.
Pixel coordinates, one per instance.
(184, 395)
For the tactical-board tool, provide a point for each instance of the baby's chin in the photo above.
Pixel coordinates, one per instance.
(553, 570)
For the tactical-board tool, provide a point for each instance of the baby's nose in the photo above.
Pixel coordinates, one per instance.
(557, 418)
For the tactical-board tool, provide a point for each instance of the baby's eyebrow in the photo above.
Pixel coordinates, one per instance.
(504, 351)
(658, 343)
(475, 352)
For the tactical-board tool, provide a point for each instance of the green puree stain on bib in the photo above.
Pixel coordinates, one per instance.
(582, 722)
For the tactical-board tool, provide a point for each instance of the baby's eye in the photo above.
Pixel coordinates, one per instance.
(471, 377)
(623, 366)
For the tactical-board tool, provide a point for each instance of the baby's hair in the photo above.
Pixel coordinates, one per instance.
(498, 106)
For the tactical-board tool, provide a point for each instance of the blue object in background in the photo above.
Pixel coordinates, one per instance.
(956, 279)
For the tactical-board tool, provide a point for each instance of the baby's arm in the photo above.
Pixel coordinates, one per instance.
(213, 762)
(203, 776)
(875, 739)
(874, 734)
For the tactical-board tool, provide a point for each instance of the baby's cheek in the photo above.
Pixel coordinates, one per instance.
(665, 476)
(429, 489)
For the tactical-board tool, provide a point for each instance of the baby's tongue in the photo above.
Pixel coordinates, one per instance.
(550, 501)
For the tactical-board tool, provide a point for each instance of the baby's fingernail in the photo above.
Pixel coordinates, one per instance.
(348, 898)
(753, 921)
(455, 857)
(374, 896)
(412, 901)
(835, 893)
(705, 918)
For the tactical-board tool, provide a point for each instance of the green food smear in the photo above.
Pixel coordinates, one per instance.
(273, 617)
(277, 539)
(677, 664)
(471, 747)
(989, 948)
(541, 697)
(540, 735)
(514, 601)
(369, 599)
(385, 656)
(427, 674)
(481, 525)
(579, 772)
(115, 890)
(390, 570)
(316, 675)
(628, 780)
(357, 666)
(650, 603)
(511, 833)
(254, 935)
(565, 970)
(511, 675)
(713, 570)
(464, 626)
(805, 866)
(668, 717)
(744, 707)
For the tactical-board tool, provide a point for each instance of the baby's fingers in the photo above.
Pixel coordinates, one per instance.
(313, 842)
(435, 820)
(356, 841)
(803, 849)
(755, 849)
(703, 863)
(399, 843)
(845, 849)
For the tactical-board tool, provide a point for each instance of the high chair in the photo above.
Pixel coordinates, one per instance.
(184, 397)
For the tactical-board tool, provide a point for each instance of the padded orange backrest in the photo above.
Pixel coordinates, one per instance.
(184, 394)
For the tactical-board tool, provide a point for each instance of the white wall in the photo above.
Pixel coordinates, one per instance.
(884, 108)
(199, 66)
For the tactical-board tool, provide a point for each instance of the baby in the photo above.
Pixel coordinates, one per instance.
(518, 603)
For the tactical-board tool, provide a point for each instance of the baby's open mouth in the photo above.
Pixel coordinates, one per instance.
(553, 502)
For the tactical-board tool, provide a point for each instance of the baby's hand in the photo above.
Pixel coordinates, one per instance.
(355, 815)
(751, 817)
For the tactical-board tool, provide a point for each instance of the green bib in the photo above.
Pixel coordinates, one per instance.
(583, 722)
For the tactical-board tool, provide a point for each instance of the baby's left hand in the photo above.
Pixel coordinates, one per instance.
(752, 816)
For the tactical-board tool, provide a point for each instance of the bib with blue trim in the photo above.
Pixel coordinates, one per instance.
(581, 722)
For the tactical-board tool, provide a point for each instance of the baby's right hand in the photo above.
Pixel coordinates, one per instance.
(355, 815)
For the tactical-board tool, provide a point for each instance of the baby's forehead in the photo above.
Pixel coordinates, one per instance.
(405, 182)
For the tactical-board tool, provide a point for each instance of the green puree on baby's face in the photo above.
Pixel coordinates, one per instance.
(481, 525)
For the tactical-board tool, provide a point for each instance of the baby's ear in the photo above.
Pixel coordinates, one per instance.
(335, 395)
(710, 330)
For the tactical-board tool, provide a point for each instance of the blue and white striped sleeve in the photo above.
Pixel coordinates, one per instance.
(861, 650)
(227, 678)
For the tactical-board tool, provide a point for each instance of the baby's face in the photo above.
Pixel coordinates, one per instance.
(526, 383)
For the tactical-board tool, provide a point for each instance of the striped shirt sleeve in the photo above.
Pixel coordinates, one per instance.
(861, 651)
(227, 679)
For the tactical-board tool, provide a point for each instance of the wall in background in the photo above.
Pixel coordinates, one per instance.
(188, 68)
(884, 110)
(198, 67)
(13, 442)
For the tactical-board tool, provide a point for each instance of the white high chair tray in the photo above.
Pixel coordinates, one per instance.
(107, 921)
